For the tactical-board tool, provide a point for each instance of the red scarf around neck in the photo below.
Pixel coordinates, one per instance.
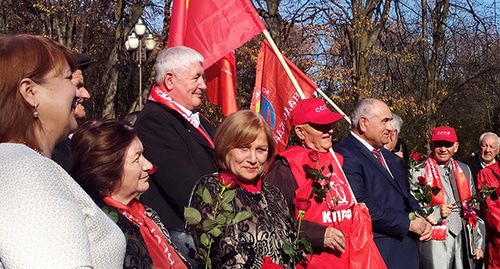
(229, 179)
(161, 252)
(434, 180)
(160, 95)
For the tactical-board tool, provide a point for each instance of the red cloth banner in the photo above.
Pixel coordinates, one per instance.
(215, 28)
(221, 84)
(274, 95)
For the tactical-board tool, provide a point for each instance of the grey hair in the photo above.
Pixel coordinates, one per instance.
(396, 122)
(175, 59)
(362, 109)
(491, 134)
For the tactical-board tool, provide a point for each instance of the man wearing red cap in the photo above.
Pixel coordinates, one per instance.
(327, 222)
(379, 181)
(449, 248)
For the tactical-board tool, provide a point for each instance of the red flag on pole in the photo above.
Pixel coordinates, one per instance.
(274, 95)
(221, 84)
(215, 28)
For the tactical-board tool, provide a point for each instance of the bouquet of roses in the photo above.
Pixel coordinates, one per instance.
(222, 215)
(420, 189)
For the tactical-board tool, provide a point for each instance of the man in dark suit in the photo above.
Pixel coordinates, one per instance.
(377, 180)
(176, 138)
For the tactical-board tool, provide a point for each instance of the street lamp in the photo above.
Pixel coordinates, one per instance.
(134, 41)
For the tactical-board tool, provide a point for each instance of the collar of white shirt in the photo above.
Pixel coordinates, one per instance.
(192, 117)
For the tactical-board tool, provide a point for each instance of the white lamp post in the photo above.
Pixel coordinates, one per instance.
(133, 42)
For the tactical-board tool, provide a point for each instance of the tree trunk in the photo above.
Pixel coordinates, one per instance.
(109, 77)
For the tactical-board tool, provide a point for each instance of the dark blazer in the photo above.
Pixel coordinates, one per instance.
(62, 154)
(474, 163)
(182, 155)
(387, 198)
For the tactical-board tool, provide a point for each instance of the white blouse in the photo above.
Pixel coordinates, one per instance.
(47, 220)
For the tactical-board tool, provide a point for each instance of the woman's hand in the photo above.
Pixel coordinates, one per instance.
(445, 210)
(334, 240)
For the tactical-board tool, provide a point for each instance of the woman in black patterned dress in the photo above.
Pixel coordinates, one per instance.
(244, 146)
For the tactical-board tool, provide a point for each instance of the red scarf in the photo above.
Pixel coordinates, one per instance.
(434, 180)
(161, 252)
(159, 95)
(231, 181)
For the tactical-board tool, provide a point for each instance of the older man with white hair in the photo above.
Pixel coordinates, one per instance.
(176, 137)
(489, 147)
(490, 177)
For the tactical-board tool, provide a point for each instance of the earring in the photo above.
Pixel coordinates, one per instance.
(35, 112)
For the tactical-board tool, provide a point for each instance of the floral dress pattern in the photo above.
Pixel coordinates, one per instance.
(245, 244)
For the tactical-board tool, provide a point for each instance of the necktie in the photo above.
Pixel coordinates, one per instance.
(450, 190)
(380, 158)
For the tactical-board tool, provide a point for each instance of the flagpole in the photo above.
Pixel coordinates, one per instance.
(283, 63)
(330, 101)
(294, 81)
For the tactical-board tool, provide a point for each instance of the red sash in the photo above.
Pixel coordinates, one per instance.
(161, 252)
(433, 179)
(337, 215)
(159, 95)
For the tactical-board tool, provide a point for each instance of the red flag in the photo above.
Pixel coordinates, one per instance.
(215, 28)
(274, 95)
(221, 78)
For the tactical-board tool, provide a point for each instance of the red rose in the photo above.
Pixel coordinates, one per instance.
(421, 180)
(302, 204)
(227, 180)
(416, 156)
(313, 156)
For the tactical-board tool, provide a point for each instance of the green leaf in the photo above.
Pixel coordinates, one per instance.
(205, 239)
(192, 215)
(228, 196)
(221, 219)
(208, 224)
(112, 213)
(435, 190)
(206, 197)
(288, 248)
(307, 246)
(241, 216)
(215, 232)
(229, 216)
(227, 207)
(199, 192)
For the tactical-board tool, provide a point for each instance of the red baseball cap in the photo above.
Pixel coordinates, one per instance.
(313, 110)
(444, 133)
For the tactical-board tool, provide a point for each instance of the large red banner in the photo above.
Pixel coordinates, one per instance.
(274, 95)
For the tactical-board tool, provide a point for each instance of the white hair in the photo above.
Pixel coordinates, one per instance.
(362, 109)
(175, 60)
(489, 134)
(396, 122)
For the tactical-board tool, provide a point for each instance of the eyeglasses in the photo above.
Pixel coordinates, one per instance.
(325, 128)
(439, 144)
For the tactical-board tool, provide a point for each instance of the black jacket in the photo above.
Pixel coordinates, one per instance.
(182, 155)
